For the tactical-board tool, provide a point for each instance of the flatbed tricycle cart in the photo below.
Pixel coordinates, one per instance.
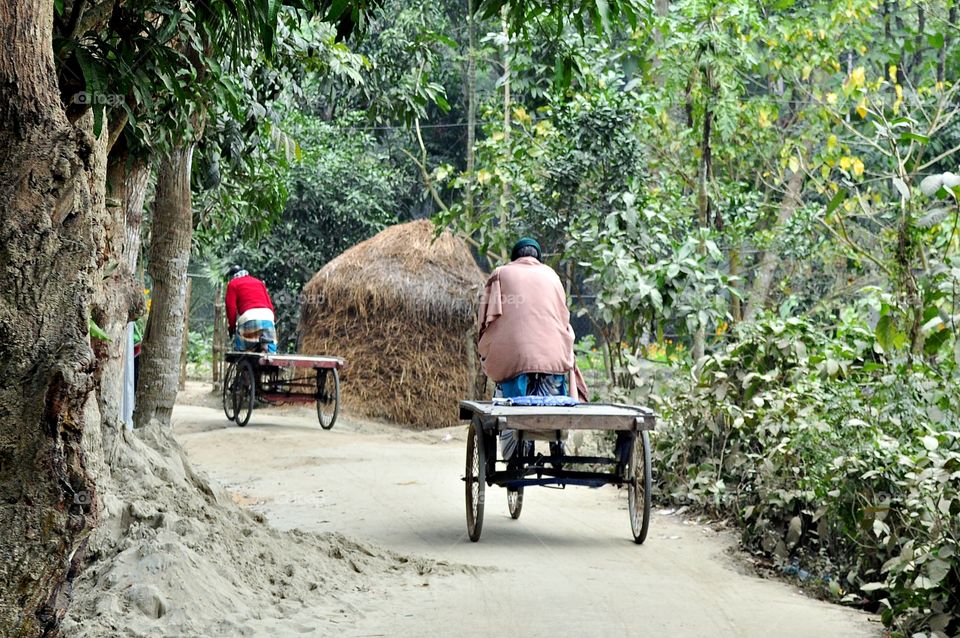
(488, 419)
(281, 378)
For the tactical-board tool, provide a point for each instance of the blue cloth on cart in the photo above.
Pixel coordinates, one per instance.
(533, 384)
(529, 386)
(533, 400)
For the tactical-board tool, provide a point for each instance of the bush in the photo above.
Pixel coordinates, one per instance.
(831, 455)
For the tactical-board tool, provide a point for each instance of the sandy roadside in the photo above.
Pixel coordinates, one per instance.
(566, 567)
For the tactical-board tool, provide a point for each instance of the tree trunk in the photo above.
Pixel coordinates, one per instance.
(471, 86)
(46, 266)
(171, 235)
(703, 199)
(505, 193)
(942, 55)
(185, 343)
(219, 336)
(763, 281)
(736, 308)
(118, 299)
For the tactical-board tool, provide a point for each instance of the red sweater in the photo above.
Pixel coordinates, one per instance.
(244, 293)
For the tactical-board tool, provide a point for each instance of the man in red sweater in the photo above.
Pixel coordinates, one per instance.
(249, 311)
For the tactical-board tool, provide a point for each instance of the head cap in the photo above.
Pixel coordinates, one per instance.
(523, 243)
(233, 271)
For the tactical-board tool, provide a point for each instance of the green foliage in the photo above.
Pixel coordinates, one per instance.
(832, 454)
(200, 346)
(342, 192)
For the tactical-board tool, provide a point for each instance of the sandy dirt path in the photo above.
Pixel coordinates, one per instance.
(567, 567)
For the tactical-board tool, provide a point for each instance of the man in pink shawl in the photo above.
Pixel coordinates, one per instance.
(525, 336)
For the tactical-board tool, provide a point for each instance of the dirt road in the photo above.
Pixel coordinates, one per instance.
(567, 567)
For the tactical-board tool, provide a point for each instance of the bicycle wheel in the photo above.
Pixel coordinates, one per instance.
(515, 501)
(245, 393)
(229, 378)
(328, 396)
(639, 486)
(475, 481)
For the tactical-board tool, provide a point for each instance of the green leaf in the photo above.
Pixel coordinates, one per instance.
(337, 7)
(95, 79)
(96, 331)
(935, 40)
(915, 137)
(268, 28)
(885, 333)
(935, 341)
(836, 201)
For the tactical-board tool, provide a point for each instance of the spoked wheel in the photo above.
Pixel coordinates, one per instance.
(229, 378)
(639, 476)
(328, 396)
(475, 481)
(515, 501)
(244, 393)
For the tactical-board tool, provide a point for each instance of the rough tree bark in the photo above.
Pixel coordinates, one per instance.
(169, 256)
(119, 298)
(704, 204)
(763, 280)
(46, 264)
(471, 95)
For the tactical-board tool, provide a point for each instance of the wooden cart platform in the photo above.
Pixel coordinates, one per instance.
(586, 416)
(629, 467)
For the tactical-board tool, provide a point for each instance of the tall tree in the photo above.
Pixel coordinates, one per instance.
(46, 264)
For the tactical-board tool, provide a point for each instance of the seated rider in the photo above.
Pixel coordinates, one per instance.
(249, 312)
(525, 336)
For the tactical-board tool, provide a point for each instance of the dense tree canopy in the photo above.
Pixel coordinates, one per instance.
(759, 199)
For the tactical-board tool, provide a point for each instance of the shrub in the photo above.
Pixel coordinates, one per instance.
(830, 454)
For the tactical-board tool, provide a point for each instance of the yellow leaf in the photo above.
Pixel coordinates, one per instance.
(857, 77)
(777, 64)
(892, 72)
(762, 119)
(825, 172)
(845, 163)
(520, 114)
(794, 164)
(831, 98)
(832, 141)
(862, 109)
(857, 167)
(805, 73)
(484, 176)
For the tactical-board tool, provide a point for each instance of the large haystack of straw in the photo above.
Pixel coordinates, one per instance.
(400, 307)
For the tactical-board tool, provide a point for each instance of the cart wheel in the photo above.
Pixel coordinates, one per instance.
(229, 379)
(515, 501)
(638, 488)
(328, 396)
(475, 481)
(244, 393)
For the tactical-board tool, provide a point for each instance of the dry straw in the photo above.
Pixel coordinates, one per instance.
(400, 307)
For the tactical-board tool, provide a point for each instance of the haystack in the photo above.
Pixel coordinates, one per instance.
(400, 307)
